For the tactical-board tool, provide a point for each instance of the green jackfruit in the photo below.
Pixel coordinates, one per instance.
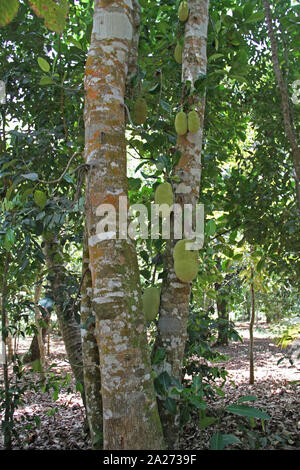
(193, 122)
(40, 198)
(164, 194)
(181, 253)
(183, 11)
(181, 123)
(186, 269)
(140, 111)
(178, 54)
(151, 302)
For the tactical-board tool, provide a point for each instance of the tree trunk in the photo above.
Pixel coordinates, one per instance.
(33, 352)
(90, 355)
(174, 309)
(69, 328)
(130, 414)
(223, 319)
(38, 318)
(287, 116)
(252, 319)
(7, 421)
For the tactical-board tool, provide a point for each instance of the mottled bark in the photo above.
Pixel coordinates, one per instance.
(174, 310)
(68, 326)
(130, 415)
(90, 355)
(286, 112)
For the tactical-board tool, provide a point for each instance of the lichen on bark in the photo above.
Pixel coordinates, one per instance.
(174, 309)
(130, 414)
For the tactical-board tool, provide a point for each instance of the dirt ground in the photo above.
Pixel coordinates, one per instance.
(43, 423)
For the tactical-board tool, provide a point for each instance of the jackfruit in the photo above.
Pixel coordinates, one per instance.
(140, 111)
(151, 302)
(193, 122)
(181, 253)
(186, 269)
(40, 198)
(183, 11)
(178, 54)
(181, 123)
(164, 194)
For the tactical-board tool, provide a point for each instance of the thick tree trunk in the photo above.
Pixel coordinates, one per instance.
(174, 309)
(68, 326)
(287, 116)
(90, 355)
(130, 414)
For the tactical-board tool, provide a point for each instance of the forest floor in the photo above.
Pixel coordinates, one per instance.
(54, 419)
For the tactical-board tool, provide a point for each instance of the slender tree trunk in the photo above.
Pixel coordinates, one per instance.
(38, 318)
(69, 328)
(223, 319)
(174, 309)
(33, 352)
(252, 320)
(130, 414)
(7, 422)
(90, 355)
(286, 111)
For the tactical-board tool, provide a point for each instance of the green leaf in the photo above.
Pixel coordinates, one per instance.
(220, 392)
(171, 405)
(210, 227)
(214, 57)
(255, 17)
(44, 65)
(54, 14)
(220, 441)
(217, 442)
(197, 384)
(197, 402)
(10, 163)
(40, 198)
(31, 176)
(8, 10)
(207, 421)
(79, 387)
(9, 239)
(159, 355)
(45, 80)
(230, 439)
(247, 411)
(162, 383)
(247, 398)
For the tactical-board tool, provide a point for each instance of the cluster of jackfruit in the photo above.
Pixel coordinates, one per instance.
(164, 194)
(185, 261)
(183, 11)
(151, 302)
(184, 123)
(140, 111)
